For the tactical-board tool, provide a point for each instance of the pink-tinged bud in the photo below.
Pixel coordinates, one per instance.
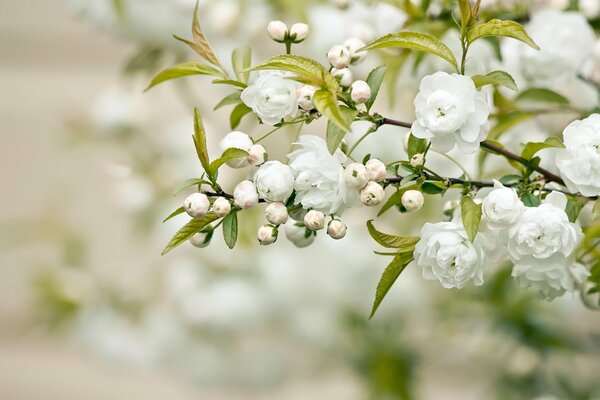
(354, 44)
(196, 205)
(299, 32)
(339, 56)
(314, 220)
(372, 194)
(336, 229)
(277, 30)
(267, 234)
(245, 194)
(305, 97)
(412, 200)
(257, 155)
(360, 92)
(221, 207)
(376, 170)
(356, 176)
(276, 213)
(344, 76)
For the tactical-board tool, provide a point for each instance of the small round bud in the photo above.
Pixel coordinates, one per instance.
(245, 194)
(298, 234)
(336, 229)
(299, 32)
(339, 56)
(372, 194)
(305, 95)
(356, 175)
(196, 205)
(257, 155)
(344, 76)
(276, 213)
(360, 92)
(221, 207)
(590, 8)
(417, 160)
(236, 140)
(354, 44)
(267, 234)
(314, 220)
(201, 239)
(277, 30)
(412, 200)
(376, 170)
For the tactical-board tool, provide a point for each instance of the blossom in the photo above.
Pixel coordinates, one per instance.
(336, 229)
(450, 111)
(221, 207)
(236, 140)
(276, 213)
(299, 32)
(446, 254)
(274, 181)
(314, 220)
(579, 162)
(360, 92)
(319, 182)
(257, 155)
(245, 195)
(267, 234)
(196, 205)
(305, 97)
(412, 200)
(339, 56)
(201, 239)
(277, 30)
(552, 278)
(376, 169)
(372, 194)
(271, 96)
(356, 175)
(501, 207)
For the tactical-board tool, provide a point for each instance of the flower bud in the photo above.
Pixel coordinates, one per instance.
(339, 56)
(236, 140)
(276, 213)
(356, 175)
(336, 229)
(299, 32)
(372, 194)
(274, 181)
(314, 220)
(590, 8)
(412, 200)
(201, 239)
(267, 234)
(245, 194)
(376, 170)
(221, 207)
(257, 155)
(360, 92)
(277, 30)
(305, 97)
(354, 44)
(298, 234)
(417, 160)
(344, 76)
(196, 205)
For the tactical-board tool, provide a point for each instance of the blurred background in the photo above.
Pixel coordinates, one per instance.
(90, 310)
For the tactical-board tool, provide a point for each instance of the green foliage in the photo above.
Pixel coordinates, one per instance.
(184, 69)
(498, 27)
(403, 243)
(415, 145)
(199, 138)
(188, 183)
(396, 198)
(326, 103)
(541, 95)
(188, 230)
(335, 134)
(532, 148)
(233, 98)
(237, 114)
(241, 59)
(496, 78)
(374, 80)
(230, 229)
(175, 213)
(228, 155)
(389, 276)
(471, 216)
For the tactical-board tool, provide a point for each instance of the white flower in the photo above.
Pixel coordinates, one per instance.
(314, 220)
(446, 254)
(201, 239)
(299, 32)
(356, 175)
(196, 205)
(236, 140)
(579, 162)
(590, 8)
(276, 213)
(305, 97)
(339, 56)
(271, 96)
(372, 194)
(565, 39)
(274, 181)
(298, 234)
(319, 176)
(336, 229)
(360, 92)
(344, 76)
(245, 195)
(257, 155)
(450, 111)
(221, 207)
(417, 160)
(501, 207)
(552, 278)
(277, 30)
(354, 44)
(267, 234)
(412, 200)
(376, 170)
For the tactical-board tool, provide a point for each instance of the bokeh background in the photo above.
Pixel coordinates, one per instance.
(89, 309)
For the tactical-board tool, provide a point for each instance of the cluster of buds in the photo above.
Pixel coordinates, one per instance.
(276, 214)
(365, 179)
(279, 32)
(257, 154)
(315, 221)
(197, 205)
(342, 55)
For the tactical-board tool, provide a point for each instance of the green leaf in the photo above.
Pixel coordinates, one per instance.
(241, 59)
(184, 69)
(188, 183)
(542, 95)
(230, 229)
(414, 41)
(495, 78)
(471, 216)
(231, 82)
(433, 187)
(175, 213)
(498, 27)
(465, 15)
(374, 80)
(389, 276)
(573, 209)
(530, 200)
(237, 114)
(326, 103)
(233, 98)
(596, 209)
(532, 148)
(415, 145)
(200, 140)
(228, 155)
(509, 121)
(404, 243)
(394, 199)
(335, 135)
(200, 45)
(188, 230)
